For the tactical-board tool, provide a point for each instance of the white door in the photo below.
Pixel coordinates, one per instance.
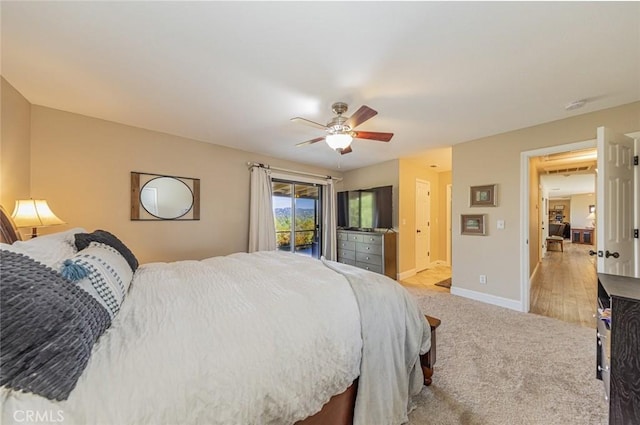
(423, 229)
(614, 204)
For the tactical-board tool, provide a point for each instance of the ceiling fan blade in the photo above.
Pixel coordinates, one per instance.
(346, 150)
(360, 116)
(372, 135)
(310, 142)
(309, 122)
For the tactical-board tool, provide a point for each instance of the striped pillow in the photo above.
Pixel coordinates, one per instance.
(101, 271)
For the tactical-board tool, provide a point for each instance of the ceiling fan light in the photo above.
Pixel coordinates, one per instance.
(338, 141)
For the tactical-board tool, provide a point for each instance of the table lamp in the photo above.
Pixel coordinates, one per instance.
(34, 213)
(592, 217)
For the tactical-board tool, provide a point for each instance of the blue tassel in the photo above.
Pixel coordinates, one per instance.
(73, 272)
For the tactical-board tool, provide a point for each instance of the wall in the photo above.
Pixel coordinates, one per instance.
(580, 210)
(477, 162)
(535, 211)
(444, 179)
(383, 174)
(15, 168)
(82, 166)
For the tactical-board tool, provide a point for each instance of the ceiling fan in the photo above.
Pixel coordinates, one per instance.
(340, 130)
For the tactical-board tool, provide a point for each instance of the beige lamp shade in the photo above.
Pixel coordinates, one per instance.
(34, 213)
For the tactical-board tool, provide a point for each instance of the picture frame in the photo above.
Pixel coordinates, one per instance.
(559, 207)
(473, 224)
(483, 196)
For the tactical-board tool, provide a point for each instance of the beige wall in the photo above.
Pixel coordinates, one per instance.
(15, 167)
(82, 166)
(580, 210)
(535, 244)
(383, 174)
(444, 179)
(496, 159)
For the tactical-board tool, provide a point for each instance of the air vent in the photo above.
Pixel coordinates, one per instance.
(569, 170)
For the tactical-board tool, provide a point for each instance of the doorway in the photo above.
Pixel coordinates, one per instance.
(297, 211)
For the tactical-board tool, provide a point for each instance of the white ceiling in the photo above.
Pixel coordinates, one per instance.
(234, 73)
(565, 185)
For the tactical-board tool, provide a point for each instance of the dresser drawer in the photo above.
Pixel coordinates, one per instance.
(343, 236)
(346, 254)
(353, 237)
(346, 261)
(346, 245)
(371, 267)
(369, 248)
(363, 257)
(373, 239)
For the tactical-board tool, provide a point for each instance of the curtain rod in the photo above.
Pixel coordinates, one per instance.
(304, 173)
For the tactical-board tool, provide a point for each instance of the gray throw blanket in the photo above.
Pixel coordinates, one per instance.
(394, 334)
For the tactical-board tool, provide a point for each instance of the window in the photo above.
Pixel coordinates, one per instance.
(297, 213)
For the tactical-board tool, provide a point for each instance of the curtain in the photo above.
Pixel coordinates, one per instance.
(262, 233)
(329, 243)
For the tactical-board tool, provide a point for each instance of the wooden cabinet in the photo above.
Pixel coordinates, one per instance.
(368, 250)
(584, 236)
(618, 346)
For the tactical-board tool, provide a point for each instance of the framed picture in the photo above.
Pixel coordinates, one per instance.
(484, 196)
(559, 207)
(473, 224)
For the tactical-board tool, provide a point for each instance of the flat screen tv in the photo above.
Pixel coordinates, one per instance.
(366, 209)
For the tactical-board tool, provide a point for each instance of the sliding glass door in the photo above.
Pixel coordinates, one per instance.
(297, 212)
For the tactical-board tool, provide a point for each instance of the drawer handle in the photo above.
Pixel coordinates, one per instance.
(366, 258)
(368, 248)
(603, 369)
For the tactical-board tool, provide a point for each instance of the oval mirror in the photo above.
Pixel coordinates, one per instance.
(166, 197)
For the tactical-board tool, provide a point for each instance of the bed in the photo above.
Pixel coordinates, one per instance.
(239, 339)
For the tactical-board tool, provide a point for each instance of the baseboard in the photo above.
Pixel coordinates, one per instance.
(407, 274)
(487, 298)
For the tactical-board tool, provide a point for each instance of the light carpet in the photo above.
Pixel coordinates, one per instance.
(496, 366)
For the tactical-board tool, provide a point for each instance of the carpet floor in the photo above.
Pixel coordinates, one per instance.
(496, 366)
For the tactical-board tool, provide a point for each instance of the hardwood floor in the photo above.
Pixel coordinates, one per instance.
(565, 285)
(427, 278)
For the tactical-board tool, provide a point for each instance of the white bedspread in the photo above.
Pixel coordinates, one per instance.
(244, 339)
(390, 372)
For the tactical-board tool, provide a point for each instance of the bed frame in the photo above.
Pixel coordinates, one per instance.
(339, 409)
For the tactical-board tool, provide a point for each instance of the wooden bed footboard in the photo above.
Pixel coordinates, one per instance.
(339, 410)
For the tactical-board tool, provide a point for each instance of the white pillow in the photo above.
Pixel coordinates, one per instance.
(101, 271)
(50, 250)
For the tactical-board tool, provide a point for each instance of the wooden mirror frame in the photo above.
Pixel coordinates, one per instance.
(139, 213)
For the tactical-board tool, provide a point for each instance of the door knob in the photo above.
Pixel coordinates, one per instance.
(592, 252)
(418, 231)
(611, 254)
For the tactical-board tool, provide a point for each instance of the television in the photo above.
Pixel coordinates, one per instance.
(366, 209)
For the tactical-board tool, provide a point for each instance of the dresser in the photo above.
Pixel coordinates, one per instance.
(618, 346)
(583, 236)
(369, 250)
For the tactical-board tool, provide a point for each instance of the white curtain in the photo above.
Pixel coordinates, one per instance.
(329, 221)
(262, 232)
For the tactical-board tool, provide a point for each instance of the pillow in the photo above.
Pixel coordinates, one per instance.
(48, 327)
(49, 250)
(83, 240)
(102, 272)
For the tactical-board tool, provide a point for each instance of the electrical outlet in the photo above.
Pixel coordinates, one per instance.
(483, 279)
